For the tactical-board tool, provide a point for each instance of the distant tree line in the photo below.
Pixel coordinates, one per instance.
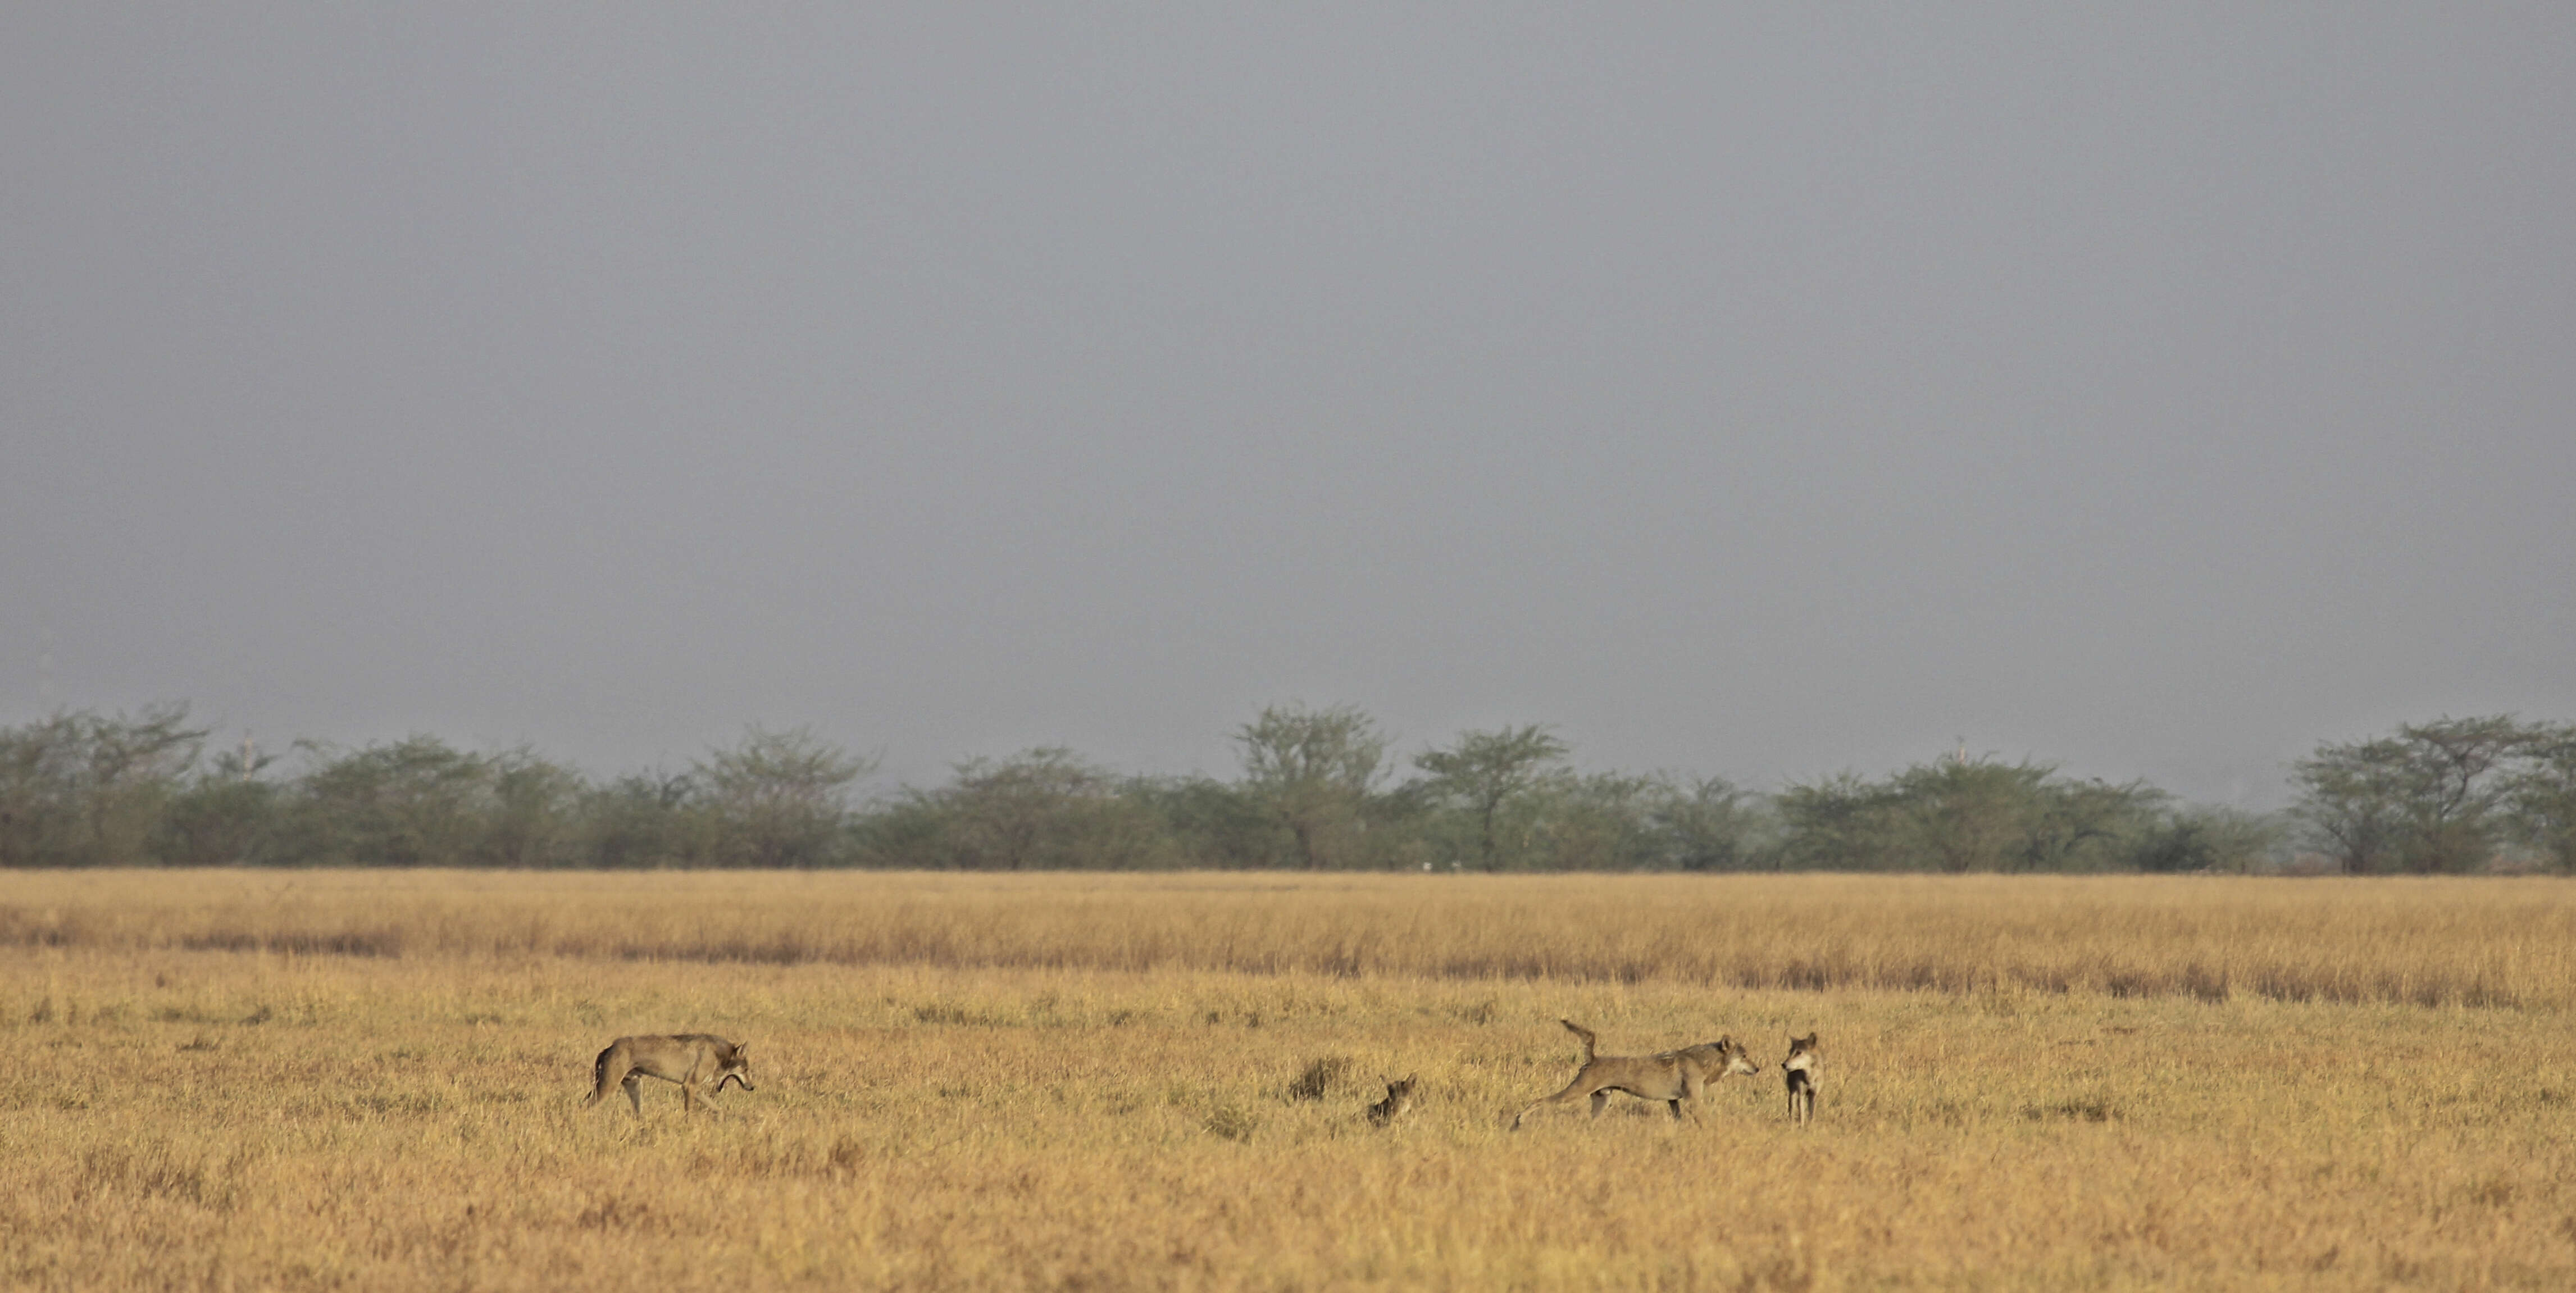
(1318, 789)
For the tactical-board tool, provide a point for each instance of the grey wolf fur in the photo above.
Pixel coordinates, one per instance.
(1803, 1069)
(701, 1063)
(1399, 1097)
(1672, 1077)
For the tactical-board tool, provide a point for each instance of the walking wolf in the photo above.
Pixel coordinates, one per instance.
(1672, 1077)
(699, 1062)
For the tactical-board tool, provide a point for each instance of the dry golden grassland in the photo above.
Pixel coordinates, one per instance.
(346, 1079)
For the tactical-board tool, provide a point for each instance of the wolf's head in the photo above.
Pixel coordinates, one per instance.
(732, 1067)
(1738, 1059)
(1725, 1057)
(1399, 1097)
(1802, 1053)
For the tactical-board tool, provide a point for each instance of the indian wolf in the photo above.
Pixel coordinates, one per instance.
(699, 1062)
(1803, 1069)
(1672, 1077)
(1399, 1097)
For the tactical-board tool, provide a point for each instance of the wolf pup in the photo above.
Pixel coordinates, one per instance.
(1399, 1097)
(1802, 1069)
(700, 1063)
(1672, 1077)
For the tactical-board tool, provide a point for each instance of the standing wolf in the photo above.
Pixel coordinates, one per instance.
(1803, 1070)
(699, 1062)
(1672, 1077)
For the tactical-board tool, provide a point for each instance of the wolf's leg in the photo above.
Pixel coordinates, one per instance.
(703, 1099)
(634, 1095)
(1572, 1089)
(1692, 1085)
(1600, 1101)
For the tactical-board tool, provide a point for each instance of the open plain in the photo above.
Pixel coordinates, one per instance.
(322, 1080)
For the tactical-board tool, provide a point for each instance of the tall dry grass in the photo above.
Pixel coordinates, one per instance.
(204, 1096)
(2489, 942)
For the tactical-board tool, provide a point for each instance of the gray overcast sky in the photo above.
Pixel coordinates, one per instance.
(1753, 390)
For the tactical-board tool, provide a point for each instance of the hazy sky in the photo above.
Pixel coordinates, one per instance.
(1753, 390)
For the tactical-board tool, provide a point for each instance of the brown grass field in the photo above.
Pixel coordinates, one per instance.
(311, 1080)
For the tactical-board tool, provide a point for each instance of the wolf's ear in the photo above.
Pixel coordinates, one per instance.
(740, 1048)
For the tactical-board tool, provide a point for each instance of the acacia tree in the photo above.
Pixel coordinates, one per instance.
(1970, 815)
(2202, 838)
(1484, 770)
(2457, 761)
(533, 813)
(1839, 823)
(81, 790)
(646, 819)
(413, 802)
(1314, 771)
(2541, 796)
(1045, 809)
(1706, 824)
(1602, 822)
(2424, 800)
(2352, 800)
(1959, 815)
(779, 799)
(2091, 825)
(1210, 823)
(228, 815)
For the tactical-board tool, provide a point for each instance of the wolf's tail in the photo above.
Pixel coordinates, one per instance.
(598, 1079)
(1582, 1032)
